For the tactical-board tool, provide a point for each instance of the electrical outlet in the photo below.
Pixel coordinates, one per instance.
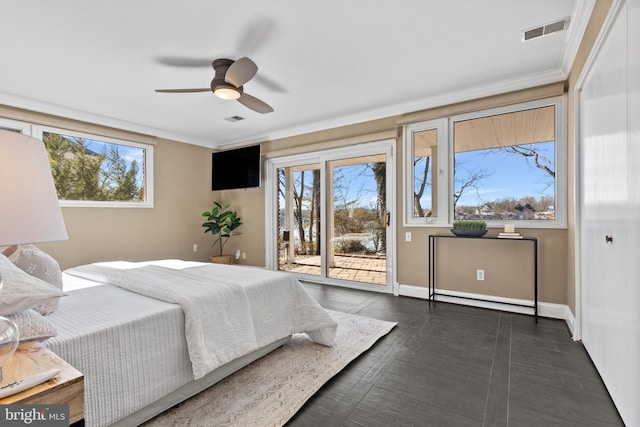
(480, 274)
(238, 254)
(244, 255)
(407, 236)
(195, 248)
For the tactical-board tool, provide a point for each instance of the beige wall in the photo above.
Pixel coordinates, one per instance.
(250, 206)
(502, 268)
(508, 266)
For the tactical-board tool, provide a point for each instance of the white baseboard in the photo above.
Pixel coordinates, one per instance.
(545, 309)
(571, 323)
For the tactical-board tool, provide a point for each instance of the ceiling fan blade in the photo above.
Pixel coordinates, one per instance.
(241, 72)
(254, 104)
(270, 84)
(183, 90)
(256, 33)
(183, 61)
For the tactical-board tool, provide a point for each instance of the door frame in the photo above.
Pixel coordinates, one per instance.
(323, 157)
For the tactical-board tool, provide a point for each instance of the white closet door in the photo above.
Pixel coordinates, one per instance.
(609, 208)
(632, 400)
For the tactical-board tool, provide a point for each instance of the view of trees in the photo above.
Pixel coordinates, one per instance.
(509, 208)
(359, 207)
(524, 208)
(80, 173)
(469, 180)
(421, 166)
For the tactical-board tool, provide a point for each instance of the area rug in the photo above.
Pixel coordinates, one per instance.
(272, 389)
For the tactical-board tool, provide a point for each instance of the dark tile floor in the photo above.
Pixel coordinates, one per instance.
(453, 365)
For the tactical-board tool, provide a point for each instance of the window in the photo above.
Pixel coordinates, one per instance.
(426, 150)
(503, 165)
(90, 170)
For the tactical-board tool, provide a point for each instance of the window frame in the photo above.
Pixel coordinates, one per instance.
(442, 136)
(15, 125)
(148, 167)
(445, 187)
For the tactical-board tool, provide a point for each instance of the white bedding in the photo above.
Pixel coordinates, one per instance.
(132, 348)
(229, 310)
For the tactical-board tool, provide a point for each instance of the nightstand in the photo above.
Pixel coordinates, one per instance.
(67, 388)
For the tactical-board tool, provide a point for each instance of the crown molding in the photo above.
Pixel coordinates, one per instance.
(580, 16)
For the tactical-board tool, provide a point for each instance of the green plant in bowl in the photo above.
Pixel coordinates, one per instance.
(469, 228)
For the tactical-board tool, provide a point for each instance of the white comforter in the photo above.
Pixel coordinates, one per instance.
(229, 310)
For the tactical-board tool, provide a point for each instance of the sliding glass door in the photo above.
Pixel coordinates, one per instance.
(332, 216)
(357, 219)
(300, 219)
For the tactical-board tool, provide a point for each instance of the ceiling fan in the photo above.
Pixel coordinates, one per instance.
(228, 83)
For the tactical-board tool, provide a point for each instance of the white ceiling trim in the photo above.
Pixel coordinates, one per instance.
(74, 114)
(579, 20)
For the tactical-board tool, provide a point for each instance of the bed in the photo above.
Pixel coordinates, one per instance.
(149, 335)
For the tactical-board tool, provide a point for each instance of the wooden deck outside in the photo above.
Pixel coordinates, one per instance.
(358, 268)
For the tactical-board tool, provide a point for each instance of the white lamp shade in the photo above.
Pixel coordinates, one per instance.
(28, 199)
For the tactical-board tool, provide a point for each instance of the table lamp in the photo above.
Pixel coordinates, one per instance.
(30, 208)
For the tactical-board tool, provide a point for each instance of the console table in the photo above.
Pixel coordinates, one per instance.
(432, 270)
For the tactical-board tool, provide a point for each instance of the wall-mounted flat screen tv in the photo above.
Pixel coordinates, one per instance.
(238, 168)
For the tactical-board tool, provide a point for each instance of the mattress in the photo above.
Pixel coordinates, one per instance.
(131, 348)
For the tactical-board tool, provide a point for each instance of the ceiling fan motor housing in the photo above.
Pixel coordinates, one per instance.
(221, 66)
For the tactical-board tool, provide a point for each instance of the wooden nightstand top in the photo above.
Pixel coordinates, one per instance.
(67, 388)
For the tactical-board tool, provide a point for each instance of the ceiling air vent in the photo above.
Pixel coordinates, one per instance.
(234, 119)
(546, 29)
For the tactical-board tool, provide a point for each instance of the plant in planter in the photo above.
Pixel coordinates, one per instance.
(469, 228)
(221, 223)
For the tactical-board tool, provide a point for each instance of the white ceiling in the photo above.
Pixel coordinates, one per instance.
(321, 64)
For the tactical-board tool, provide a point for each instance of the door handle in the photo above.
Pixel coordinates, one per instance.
(608, 239)
(388, 218)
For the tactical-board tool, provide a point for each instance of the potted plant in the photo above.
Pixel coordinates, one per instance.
(469, 228)
(221, 223)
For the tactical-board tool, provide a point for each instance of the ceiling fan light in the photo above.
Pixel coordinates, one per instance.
(226, 92)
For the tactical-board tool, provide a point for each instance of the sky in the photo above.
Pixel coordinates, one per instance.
(509, 175)
(505, 176)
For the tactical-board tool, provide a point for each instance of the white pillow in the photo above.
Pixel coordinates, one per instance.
(33, 326)
(21, 291)
(41, 265)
